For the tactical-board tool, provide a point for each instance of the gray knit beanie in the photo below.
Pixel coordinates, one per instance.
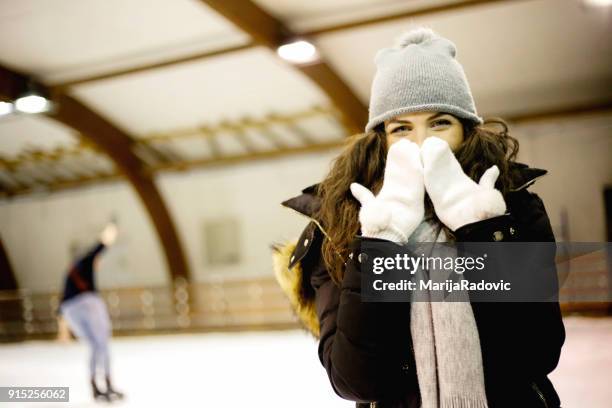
(420, 73)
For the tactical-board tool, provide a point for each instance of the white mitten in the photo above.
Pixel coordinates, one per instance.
(399, 206)
(458, 200)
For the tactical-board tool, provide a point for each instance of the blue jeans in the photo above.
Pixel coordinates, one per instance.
(87, 317)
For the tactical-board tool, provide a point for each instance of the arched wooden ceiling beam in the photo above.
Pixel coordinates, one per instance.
(118, 146)
(268, 31)
(11, 84)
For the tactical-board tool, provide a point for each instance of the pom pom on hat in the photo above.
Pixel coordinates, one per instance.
(422, 35)
(416, 36)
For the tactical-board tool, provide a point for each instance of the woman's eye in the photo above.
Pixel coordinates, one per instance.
(441, 122)
(400, 129)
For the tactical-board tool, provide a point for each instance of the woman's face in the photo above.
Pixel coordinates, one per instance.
(417, 126)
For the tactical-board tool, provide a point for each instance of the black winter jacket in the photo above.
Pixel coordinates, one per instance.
(365, 347)
(80, 277)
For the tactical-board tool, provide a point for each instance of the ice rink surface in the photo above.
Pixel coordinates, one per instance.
(267, 369)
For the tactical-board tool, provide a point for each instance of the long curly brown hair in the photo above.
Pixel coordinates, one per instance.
(363, 161)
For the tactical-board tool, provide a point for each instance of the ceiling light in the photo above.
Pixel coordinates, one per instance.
(5, 108)
(598, 3)
(298, 52)
(32, 103)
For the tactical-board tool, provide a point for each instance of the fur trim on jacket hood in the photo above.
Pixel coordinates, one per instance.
(291, 281)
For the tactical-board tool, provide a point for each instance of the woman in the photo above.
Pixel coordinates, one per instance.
(427, 169)
(85, 313)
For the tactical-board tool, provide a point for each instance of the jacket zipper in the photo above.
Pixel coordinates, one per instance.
(540, 394)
